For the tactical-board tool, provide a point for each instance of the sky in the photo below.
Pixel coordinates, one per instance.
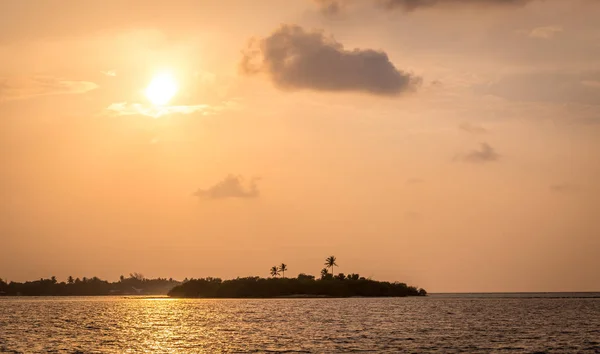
(452, 145)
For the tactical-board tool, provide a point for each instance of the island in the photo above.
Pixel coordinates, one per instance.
(277, 286)
(302, 286)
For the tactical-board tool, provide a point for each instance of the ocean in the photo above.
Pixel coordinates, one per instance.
(439, 323)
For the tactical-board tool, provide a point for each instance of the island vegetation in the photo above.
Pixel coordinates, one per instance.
(327, 285)
(135, 284)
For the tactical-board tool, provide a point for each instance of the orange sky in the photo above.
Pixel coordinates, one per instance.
(453, 145)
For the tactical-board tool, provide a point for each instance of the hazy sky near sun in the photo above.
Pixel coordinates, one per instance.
(453, 145)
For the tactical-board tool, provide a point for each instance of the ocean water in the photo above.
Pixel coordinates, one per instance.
(442, 323)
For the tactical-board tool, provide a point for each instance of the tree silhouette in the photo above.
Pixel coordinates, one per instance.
(137, 276)
(53, 279)
(330, 263)
(70, 280)
(282, 269)
(274, 271)
(324, 273)
(121, 278)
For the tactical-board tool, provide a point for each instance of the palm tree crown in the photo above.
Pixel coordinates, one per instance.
(274, 271)
(282, 269)
(330, 262)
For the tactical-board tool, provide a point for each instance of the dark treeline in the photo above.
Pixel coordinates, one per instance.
(303, 285)
(135, 284)
(329, 285)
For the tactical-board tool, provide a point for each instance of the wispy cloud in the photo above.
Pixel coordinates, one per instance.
(564, 188)
(126, 109)
(332, 7)
(15, 88)
(231, 186)
(297, 59)
(472, 128)
(112, 73)
(484, 154)
(547, 32)
(150, 110)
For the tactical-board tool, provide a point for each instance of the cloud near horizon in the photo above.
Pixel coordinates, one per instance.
(297, 59)
(17, 88)
(231, 186)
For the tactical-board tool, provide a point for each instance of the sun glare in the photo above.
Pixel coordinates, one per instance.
(161, 89)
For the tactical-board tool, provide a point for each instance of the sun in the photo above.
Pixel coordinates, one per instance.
(161, 89)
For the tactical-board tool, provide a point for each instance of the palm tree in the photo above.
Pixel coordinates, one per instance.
(282, 269)
(324, 273)
(330, 263)
(70, 280)
(274, 271)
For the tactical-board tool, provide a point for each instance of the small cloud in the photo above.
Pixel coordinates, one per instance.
(414, 181)
(547, 32)
(486, 153)
(330, 7)
(472, 128)
(230, 187)
(296, 59)
(564, 188)
(126, 109)
(16, 88)
(109, 73)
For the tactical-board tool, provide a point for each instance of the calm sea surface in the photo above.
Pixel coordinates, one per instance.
(443, 323)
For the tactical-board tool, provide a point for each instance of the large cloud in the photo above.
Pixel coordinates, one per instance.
(230, 187)
(297, 59)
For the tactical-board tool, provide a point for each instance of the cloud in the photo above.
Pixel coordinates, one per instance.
(112, 73)
(547, 86)
(472, 128)
(547, 32)
(230, 187)
(564, 188)
(411, 5)
(126, 109)
(150, 110)
(332, 7)
(486, 153)
(297, 59)
(15, 88)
